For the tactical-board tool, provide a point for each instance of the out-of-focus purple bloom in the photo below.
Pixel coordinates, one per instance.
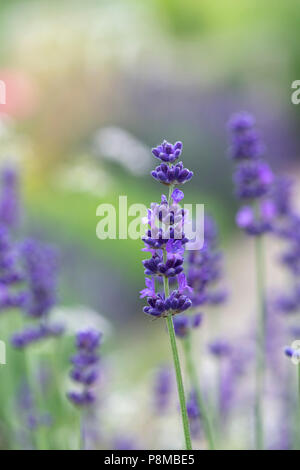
(256, 223)
(205, 267)
(163, 383)
(194, 415)
(124, 443)
(10, 274)
(34, 334)
(253, 180)
(9, 199)
(166, 225)
(167, 152)
(41, 273)
(245, 141)
(9, 270)
(288, 302)
(184, 323)
(30, 418)
(281, 195)
(291, 258)
(220, 348)
(232, 371)
(85, 367)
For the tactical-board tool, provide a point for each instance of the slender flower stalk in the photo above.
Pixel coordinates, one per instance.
(165, 240)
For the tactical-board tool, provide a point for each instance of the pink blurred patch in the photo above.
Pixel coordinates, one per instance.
(21, 94)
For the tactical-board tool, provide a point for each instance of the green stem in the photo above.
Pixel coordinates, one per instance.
(187, 343)
(184, 415)
(260, 346)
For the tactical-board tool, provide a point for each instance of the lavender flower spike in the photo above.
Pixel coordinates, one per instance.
(85, 367)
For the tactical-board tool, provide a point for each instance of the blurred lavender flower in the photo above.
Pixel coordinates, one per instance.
(220, 348)
(194, 415)
(10, 273)
(85, 367)
(30, 418)
(40, 267)
(205, 268)
(41, 272)
(245, 141)
(9, 199)
(183, 324)
(163, 383)
(36, 333)
(253, 177)
(124, 443)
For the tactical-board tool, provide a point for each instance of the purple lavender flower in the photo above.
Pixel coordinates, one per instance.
(85, 367)
(158, 306)
(156, 265)
(165, 241)
(9, 199)
(172, 174)
(288, 302)
(167, 152)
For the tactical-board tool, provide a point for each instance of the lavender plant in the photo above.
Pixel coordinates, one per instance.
(165, 241)
(253, 180)
(40, 268)
(85, 372)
